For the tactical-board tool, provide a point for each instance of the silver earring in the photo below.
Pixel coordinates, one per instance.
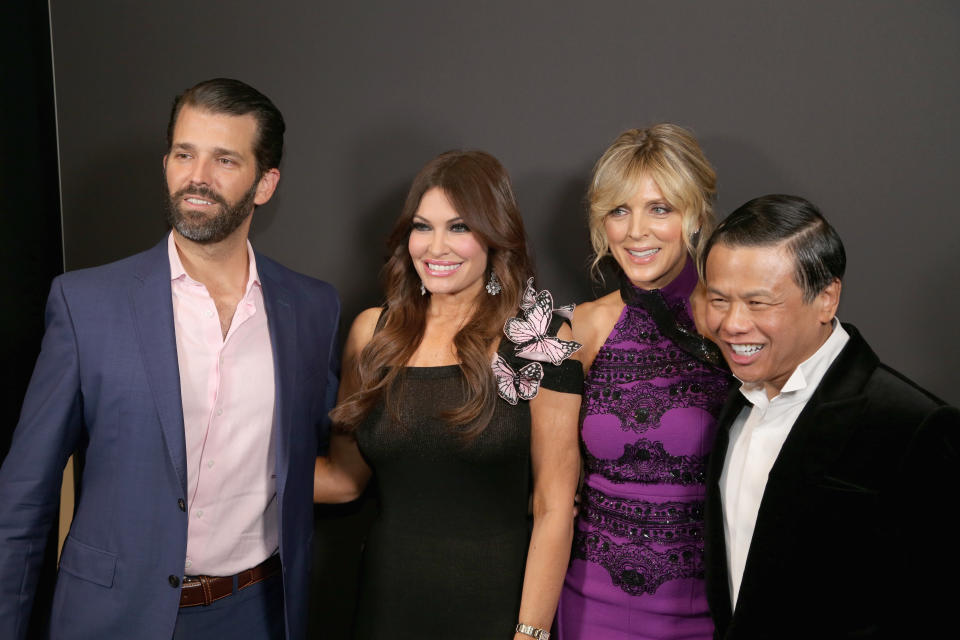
(493, 284)
(695, 238)
(423, 289)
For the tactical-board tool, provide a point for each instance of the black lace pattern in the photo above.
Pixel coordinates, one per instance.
(647, 462)
(636, 567)
(653, 363)
(621, 380)
(644, 520)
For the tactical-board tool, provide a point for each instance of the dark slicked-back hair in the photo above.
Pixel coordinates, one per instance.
(798, 225)
(235, 98)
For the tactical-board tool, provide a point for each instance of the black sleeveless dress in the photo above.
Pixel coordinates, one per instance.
(447, 552)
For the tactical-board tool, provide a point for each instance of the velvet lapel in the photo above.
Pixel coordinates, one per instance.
(153, 322)
(283, 331)
(718, 582)
(816, 439)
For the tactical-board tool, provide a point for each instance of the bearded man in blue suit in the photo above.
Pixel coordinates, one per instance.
(195, 379)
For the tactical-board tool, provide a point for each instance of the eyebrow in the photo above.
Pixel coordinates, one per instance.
(217, 151)
(222, 151)
(758, 293)
(663, 202)
(450, 221)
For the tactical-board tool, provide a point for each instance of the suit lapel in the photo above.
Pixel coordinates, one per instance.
(282, 322)
(717, 576)
(153, 321)
(815, 441)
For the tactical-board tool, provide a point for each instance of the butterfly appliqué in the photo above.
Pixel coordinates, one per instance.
(513, 385)
(530, 298)
(529, 331)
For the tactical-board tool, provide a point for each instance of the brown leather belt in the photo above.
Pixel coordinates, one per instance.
(204, 590)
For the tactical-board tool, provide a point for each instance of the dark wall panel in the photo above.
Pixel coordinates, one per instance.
(31, 247)
(850, 104)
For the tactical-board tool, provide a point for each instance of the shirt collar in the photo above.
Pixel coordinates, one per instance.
(807, 376)
(177, 271)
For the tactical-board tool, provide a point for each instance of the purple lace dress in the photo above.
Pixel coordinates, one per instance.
(650, 403)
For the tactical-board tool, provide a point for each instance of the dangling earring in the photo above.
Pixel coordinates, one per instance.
(695, 238)
(493, 284)
(423, 289)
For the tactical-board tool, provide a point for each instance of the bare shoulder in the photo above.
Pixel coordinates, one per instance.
(593, 322)
(598, 314)
(362, 329)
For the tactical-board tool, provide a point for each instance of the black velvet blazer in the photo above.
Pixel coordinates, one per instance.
(852, 537)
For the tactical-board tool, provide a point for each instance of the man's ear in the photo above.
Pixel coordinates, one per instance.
(266, 186)
(828, 300)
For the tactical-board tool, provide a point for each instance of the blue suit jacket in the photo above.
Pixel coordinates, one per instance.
(107, 383)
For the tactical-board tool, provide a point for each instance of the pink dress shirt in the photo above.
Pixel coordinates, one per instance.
(227, 389)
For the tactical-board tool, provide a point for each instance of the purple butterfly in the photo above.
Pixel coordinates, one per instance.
(529, 332)
(511, 384)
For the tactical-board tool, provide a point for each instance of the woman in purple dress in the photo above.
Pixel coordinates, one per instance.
(651, 395)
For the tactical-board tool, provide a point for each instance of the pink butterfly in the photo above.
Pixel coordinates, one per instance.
(530, 299)
(529, 332)
(529, 296)
(511, 384)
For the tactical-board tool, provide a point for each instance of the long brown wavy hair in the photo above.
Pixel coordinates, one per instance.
(478, 187)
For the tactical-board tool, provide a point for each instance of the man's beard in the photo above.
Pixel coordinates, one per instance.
(207, 228)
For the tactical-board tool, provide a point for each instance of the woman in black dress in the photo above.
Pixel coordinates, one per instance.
(455, 394)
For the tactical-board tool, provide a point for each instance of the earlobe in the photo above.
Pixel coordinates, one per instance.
(266, 187)
(165, 161)
(829, 301)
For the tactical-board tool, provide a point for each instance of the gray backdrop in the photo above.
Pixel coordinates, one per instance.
(851, 104)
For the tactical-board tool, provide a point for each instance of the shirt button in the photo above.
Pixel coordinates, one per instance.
(199, 514)
(187, 564)
(219, 412)
(174, 581)
(210, 464)
(182, 504)
(209, 314)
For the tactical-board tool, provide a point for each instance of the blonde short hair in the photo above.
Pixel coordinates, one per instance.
(671, 156)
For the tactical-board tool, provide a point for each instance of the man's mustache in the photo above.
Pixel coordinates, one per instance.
(200, 191)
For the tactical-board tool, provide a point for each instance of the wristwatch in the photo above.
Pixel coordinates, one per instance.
(533, 632)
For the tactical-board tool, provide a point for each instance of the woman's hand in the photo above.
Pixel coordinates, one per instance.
(342, 475)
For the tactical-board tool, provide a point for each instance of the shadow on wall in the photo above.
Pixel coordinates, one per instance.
(744, 173)
(940, 361)
(555, 214)
(384, 163)
(129, 213)
(265, 214)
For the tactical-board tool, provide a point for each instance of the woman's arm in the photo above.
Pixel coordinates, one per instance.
(555, 458)
(342, 475)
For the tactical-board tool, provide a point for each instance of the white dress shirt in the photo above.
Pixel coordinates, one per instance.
(756, 437)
